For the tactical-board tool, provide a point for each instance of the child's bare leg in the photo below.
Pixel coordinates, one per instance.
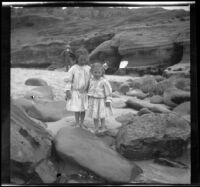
(77, 115)
(96, 123)
(103, 123)
(82, 116)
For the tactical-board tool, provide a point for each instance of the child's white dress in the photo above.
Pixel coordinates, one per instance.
(99, 93)
(77, 80)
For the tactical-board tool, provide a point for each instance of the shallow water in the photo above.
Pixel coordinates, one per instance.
(55, 79)
(156, 173)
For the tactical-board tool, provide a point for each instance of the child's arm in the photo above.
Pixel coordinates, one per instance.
(90, 76)
(69, 80)
(108, 91)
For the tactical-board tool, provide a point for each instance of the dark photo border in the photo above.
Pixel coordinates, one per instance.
(5, 83)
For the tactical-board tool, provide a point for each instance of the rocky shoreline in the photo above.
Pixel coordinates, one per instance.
(143, 127)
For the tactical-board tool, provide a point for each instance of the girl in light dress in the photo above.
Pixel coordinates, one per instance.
(100, 97)
(76, 87)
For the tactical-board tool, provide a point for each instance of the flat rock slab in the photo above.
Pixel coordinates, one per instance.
(49, 111)
(90, 152)
(45, 111)
(137, 93)
(36, 82)
(139, 104)
(40, 92)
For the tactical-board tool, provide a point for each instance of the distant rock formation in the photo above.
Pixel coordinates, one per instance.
(147, 51)
(150, 39)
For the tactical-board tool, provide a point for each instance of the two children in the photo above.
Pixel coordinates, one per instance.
(83, 81)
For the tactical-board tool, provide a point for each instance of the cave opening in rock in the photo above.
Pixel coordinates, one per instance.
(113, 67)
(177, 53)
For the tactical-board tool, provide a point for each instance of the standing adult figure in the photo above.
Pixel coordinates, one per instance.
(68, 57)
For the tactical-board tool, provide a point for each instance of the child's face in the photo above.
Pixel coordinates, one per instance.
(82, 60)
(97, 73)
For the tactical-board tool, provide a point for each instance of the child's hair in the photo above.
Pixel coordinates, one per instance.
(97, 65)
(85, 57)
(82, 53)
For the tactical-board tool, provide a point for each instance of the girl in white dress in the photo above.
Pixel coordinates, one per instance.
(77, 82)
(100, 97)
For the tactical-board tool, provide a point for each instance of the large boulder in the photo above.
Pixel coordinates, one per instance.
(162, 86)
(118, 103)
(125, 118)
(180, 69)
(45, 111)
(137, 93)
(23, 103)
(48, 111)
(30, 150)
(146, 51)
(183, 109)
(138, 104)
(124, 88)
(173, 97)
(156, 99)
(115, 85)
(182, 83)
(146, 84)
(120, 87)
(41, 92)
(116, 94)
(110, 141)
(153, 135)
(144, 111)
(172, 82)
(90, 152)
(36, 82)
(105, 52)
(92, 42)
